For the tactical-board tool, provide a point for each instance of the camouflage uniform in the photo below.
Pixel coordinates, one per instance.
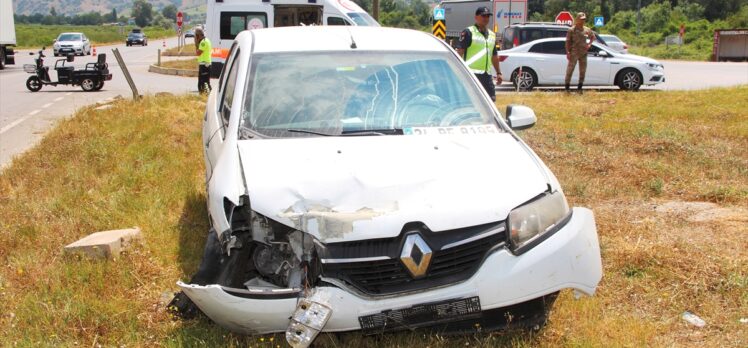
(576, 45)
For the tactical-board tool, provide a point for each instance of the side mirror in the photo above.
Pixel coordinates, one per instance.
(603, 54)
(520, 117)
(55, 40)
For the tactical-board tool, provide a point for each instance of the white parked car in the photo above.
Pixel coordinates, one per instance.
(75, 43)
(615, 43)
(361, 179)
(544, 61)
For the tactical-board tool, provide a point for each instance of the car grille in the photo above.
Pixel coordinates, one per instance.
(387, 276)
(66, 46)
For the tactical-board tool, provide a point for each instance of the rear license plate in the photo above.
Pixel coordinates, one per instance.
(422, 315)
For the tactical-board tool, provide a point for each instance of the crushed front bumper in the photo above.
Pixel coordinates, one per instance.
(570, 258)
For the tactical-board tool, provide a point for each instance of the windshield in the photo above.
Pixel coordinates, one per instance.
(363, 19)
(69, 37)
(136, 36)
(346, 92)
(608, 38)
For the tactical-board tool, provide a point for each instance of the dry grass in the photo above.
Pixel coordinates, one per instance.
(187, 64)
(622, 154)
(187, 50)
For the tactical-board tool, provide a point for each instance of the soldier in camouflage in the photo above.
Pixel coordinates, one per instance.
(578, 41)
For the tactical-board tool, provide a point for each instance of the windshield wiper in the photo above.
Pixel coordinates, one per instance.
(309, 132)
(386, 131)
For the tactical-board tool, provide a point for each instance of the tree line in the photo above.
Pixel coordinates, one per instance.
(142, 12)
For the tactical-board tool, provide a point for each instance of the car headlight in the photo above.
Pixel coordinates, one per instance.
(653, 66)
(541, 216)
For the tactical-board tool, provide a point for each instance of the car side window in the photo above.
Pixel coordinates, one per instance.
(336, 21)
(529, 35)
(593, 51)
(225, 67)
(553, 47)
(228, 91)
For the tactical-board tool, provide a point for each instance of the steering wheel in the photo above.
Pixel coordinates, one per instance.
(459, 115)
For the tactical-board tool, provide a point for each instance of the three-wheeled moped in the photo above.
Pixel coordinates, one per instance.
(91, 78)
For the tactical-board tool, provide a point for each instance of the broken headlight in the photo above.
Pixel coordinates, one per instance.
(531, 221)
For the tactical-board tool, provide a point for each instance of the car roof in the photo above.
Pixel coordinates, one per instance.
(540, 25)
(339, 38)
(71, 33)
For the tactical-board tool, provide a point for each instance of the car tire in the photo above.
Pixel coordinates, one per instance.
(527, 81)
(99, 85)
(629, 79)
(2, 58)
(33, 84)
(88, 84)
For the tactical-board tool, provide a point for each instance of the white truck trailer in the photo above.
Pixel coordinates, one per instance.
(460, 14)
(7, 34)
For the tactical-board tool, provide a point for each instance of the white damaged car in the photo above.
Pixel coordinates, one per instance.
(361, 179)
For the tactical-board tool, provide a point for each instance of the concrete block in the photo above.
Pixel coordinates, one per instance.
(106, 244)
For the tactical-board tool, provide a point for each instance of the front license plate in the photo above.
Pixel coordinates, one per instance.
(422, 315)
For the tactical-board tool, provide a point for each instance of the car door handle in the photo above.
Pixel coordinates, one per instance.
(614, 63)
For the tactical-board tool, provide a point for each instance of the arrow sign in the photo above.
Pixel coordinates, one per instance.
(438, 14)
(439, 29)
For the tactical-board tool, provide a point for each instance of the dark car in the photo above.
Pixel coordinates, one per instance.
(189, 33)
(522, 33)
(136, 39)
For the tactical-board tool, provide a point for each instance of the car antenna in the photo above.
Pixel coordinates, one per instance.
(353, 42)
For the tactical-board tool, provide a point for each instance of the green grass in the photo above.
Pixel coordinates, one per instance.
(141, 164)
(187, 64)
(37, 35)
(693, 51)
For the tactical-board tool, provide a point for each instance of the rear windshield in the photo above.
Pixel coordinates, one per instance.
(69, 37)
(336, 92)
(232, 23)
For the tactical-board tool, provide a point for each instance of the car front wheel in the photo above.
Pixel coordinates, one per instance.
(629, 80)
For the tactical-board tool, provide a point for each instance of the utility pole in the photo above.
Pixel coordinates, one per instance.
(375, 10)
(638, 17)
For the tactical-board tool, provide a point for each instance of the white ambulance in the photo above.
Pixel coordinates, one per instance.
(227, 18)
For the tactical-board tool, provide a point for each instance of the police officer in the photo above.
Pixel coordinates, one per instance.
(477, 46)
(578, 41)
(203, 49)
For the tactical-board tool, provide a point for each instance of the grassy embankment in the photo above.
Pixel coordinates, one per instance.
(37, 35)
(189, 64)
(140, 164)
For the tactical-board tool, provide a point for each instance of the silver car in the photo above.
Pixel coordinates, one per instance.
(72, 43)
(615, 43)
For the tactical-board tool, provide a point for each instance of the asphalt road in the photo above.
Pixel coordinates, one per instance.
(26, 116)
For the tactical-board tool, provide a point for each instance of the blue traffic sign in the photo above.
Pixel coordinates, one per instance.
(599, 21)
(438, 14)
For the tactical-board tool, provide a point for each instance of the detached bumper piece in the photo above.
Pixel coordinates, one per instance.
(307, 322)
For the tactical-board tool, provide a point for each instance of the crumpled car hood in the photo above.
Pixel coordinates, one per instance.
(363, 187)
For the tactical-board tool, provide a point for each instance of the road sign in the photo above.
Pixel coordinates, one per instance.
(438, 14)
(179, 19)
(565, 17)
(599, 21)
(439, 29)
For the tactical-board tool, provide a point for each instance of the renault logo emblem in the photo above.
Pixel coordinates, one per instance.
(416, 255)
